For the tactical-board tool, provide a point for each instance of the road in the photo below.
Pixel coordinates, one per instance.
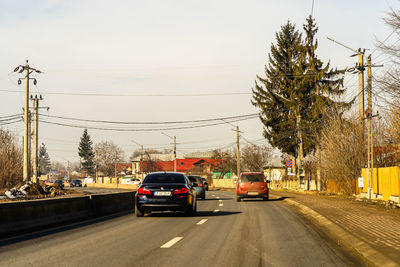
(223, 233)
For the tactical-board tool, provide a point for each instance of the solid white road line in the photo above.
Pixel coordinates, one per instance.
(202, 221)
(171, 242)
(220, 204)
(215, 211)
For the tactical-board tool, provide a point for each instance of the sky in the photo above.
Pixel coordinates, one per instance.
(166, 60)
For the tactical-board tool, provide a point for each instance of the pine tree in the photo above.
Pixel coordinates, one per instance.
(85, 151)
(282, 94)
(323, 83)
(297, 88)
(44, 160)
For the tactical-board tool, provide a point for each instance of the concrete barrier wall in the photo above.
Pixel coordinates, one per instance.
(114, 186)
(23, 216)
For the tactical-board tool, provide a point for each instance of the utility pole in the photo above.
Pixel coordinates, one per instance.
(29, 144)
(237, 151)
(360, 67)
(369, 116)
(174, 153)
(300, 147)
(141, 162)
(28, 70)
(174, 138)
(35, 136)
(370, 137)
(115, 168)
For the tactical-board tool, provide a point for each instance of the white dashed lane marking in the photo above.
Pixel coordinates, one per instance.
(221, 204)
(220, 200)
(215, 211)
(202, 221)
(217, 197)
(171, 242)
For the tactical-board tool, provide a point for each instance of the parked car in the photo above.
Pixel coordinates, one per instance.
(134, 181)
(75, 183)
(197, 183)
(252, 185)
(165, 191)
(205, 183)
(60, 183)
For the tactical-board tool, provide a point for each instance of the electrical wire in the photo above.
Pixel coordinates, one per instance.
(141, 129)
(150, 123)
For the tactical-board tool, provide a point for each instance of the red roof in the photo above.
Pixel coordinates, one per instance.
(183, 165)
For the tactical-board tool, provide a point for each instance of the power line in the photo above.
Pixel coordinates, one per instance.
(144, 123)
(135, 95)
(141, 129)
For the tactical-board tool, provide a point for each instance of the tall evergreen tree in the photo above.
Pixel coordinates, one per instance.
(281, 96)
(85, 151)
(323, 82)
(296, 91)
(44, 160)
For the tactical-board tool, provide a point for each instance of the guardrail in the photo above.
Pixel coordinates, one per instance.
(23, 216)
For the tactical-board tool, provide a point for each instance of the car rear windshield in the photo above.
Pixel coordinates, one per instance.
(252, 178)
(193, 179)
(164, 179)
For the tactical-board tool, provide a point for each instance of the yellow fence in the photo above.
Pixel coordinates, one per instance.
(385, 181)
(223, 183)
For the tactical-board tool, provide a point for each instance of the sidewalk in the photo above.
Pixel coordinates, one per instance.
(377, 226)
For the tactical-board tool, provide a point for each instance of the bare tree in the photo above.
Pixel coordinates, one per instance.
(106, 155)
(10, 160)
(343, 152)
(228, 161)
(255, 157)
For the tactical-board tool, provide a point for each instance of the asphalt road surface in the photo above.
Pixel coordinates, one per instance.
(223, 233)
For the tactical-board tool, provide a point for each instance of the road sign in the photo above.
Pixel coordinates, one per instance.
(360, 182)
(289, 163)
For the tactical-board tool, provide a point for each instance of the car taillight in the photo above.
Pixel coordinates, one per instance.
(183, 190)
(144, 191)
(200, 185)
(266, 184)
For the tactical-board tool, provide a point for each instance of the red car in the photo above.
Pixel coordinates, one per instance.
(252, 185)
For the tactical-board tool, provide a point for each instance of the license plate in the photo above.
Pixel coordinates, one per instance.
(162, 193)
(252, 193)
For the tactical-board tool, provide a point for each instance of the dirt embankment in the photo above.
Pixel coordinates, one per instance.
(30, 190)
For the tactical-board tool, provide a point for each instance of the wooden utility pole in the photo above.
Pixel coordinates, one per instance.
(360, 67)
(35, 153)
(299, 146)
(237, 151)
(174, 153)
(370, 130)
(27, 136)
(141, 162)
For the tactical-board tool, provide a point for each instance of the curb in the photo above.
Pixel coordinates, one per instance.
(370, 254)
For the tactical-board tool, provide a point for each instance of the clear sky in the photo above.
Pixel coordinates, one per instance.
(167, 47)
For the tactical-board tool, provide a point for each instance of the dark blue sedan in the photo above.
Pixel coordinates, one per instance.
(165, 191)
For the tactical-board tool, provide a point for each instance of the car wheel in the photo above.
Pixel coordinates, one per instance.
(190, 211)
(238, 199)
(138, 212)
(266, 198)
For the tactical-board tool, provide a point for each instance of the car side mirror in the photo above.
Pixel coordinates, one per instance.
(195, 184)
